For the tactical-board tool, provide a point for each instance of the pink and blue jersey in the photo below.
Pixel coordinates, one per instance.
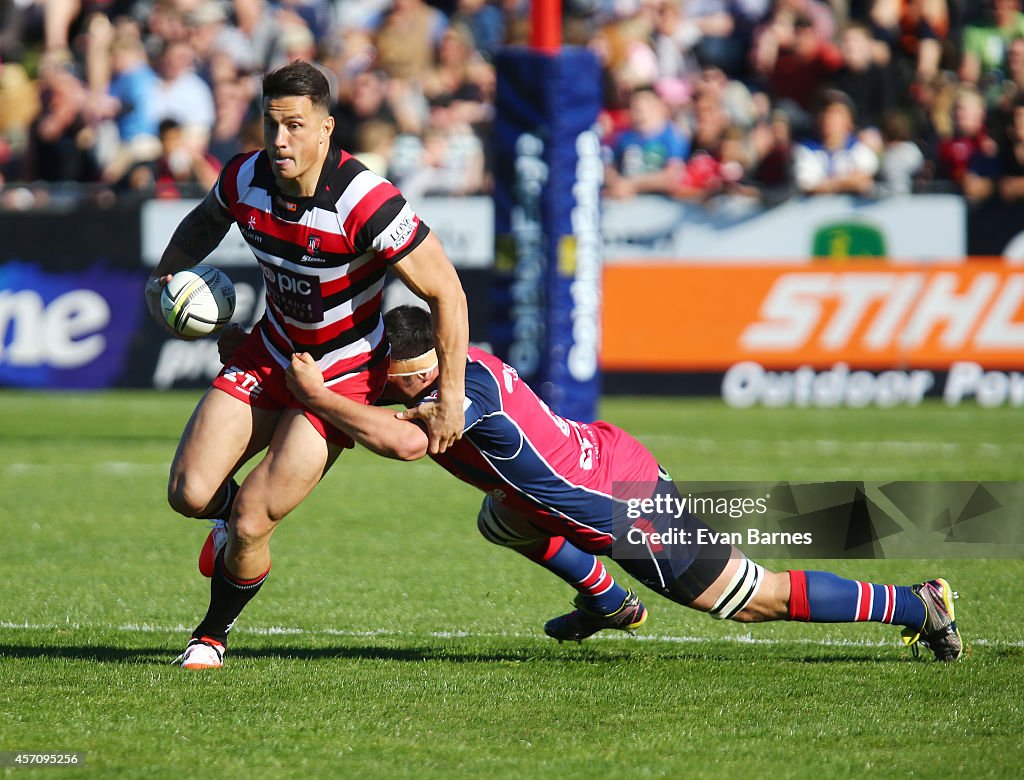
(522, 454)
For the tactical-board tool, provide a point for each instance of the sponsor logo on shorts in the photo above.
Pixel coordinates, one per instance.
(246, 382)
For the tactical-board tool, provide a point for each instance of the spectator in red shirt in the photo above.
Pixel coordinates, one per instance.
(802, 61)
(969, 157)
(183, 169)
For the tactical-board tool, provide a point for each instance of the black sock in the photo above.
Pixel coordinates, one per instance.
(224, 511)
(228, 597)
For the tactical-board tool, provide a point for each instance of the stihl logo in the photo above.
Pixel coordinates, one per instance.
(890, 310)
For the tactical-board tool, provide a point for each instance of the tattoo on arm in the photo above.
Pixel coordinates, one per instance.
(202, 229)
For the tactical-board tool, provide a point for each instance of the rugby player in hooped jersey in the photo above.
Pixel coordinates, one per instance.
(549, 484)
(324, 231)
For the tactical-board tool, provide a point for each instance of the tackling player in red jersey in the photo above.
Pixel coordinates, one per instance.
(549, 497)
(324, 230)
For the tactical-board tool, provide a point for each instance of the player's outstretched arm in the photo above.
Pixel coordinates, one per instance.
(429, 273)
(375, 428)
(196, 236)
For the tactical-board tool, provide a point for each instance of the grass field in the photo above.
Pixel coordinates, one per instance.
(392, 641)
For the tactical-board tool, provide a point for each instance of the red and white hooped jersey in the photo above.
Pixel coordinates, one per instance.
(323, 257)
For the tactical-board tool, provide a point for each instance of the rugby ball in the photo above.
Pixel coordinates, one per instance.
(198, 301)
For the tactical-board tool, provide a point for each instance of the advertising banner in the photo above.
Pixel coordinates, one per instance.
(66, 330)
(868, 315)
(856, 334)
(900, 228)
(548, 245)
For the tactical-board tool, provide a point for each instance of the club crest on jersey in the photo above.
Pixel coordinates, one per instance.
(313, 244)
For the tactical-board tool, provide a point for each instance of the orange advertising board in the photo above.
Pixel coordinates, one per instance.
(870, 315)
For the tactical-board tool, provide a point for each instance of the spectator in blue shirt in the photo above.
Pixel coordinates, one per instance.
(649, 155)
(485, 22)
(133, 85)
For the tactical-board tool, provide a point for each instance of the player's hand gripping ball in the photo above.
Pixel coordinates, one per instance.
(198, 301)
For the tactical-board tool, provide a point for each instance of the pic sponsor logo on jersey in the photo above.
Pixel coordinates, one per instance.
(296, 295)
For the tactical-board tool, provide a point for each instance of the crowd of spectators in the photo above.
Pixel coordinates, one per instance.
(763, 98)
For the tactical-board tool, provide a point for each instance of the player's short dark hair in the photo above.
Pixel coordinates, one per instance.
(409, 331)
(298, 79)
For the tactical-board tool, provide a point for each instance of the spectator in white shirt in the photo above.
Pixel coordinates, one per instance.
(181, 94)
(839, 162)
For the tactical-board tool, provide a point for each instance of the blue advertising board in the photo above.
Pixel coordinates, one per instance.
(548, 248)
(66, 329)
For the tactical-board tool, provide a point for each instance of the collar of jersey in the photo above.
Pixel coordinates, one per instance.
(322, 198)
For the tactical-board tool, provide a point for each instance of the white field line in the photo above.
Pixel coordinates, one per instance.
(835, 446)
(740, 639)
(104, 467)
(702, 444)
